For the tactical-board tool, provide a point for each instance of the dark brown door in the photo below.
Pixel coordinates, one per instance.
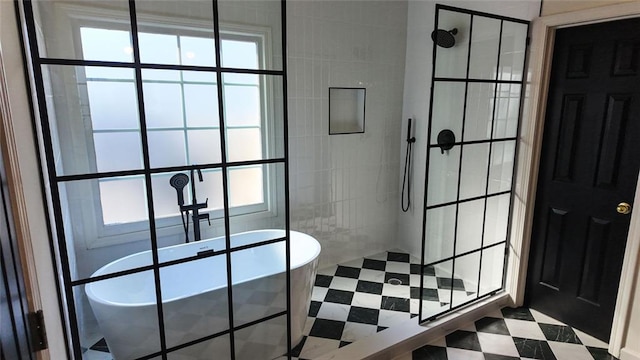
(590, 160)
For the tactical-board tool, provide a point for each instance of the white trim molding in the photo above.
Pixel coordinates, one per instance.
(540, 57)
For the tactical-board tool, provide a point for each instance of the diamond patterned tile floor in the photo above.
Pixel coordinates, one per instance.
(356, 299)
(515, 334)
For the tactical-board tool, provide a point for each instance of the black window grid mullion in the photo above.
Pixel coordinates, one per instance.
(74, 347)
(426, 177)
(147, 175)
(449, 258)
(461, 201)
(120, 64)
(523, 82)
(474, 142)
(483, 14)
(111, 174)
(472, 80)
(464, 119)
(225, 175)
(486, 189)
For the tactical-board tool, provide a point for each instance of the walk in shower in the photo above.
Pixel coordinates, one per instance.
(164, 136)
(162, 123)
(477, 81)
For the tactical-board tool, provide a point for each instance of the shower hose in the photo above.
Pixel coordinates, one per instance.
(406, 178)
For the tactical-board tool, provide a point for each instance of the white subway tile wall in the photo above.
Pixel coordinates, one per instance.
(344, 189)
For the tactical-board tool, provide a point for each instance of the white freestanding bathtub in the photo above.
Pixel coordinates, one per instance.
(195, 298)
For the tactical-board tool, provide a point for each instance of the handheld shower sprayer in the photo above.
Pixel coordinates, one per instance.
(178, 182)
(406, 178)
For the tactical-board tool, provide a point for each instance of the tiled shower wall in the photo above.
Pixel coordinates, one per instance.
(417, 92)
(344, 189)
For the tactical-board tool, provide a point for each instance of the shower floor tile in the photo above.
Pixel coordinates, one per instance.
(361, 294)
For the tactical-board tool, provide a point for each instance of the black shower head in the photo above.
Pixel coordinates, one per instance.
(444, 38)
(179, 181)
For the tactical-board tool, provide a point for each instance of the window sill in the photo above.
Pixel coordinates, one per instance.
(174, 234)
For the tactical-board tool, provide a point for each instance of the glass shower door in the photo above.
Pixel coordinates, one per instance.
(163, 128)
(472, 137)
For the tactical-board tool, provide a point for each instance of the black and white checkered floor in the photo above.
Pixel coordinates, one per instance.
(356, 299)
(515, 334)
(353, 300)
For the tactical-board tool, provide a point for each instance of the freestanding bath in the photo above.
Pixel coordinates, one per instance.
(195, 298)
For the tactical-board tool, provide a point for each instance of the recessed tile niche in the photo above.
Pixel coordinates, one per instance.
(346, 110)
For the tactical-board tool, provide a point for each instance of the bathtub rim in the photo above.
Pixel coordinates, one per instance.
(92, 296)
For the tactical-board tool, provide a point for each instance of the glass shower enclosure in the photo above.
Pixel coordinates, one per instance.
(476, 88)
(162, 123)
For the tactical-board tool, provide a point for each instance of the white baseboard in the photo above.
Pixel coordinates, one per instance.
(626, 354)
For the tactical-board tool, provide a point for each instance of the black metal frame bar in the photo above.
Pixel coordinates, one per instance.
(462, 143)
(41, 176)
(67, 288)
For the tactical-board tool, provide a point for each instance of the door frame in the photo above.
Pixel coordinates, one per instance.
(539, 68)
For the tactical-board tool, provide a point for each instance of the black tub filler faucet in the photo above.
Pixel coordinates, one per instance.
(179, 181)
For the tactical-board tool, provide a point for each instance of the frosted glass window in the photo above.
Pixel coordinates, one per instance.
(346, 110)
(197, 51)
(244, 144)
(484, 48)
(123, 201)
(512, 51)
(242, 105)
(106, 45)
(211, 188)
(496, 219)
(204, 146)
(101, 73)
(479, 112)
(447, 109)
(469, 235)
(241, 79)
(200, 76)
(166, 148)
(473, 179)
(452, 62)
(201, 105)
(158, 48)
(443, 176)
(113, 105)
(164, 196)
(246, 186)
(239, 54)
(507, 112)
(440, 230)
(501, 170)
(126, 156)
(163, 105)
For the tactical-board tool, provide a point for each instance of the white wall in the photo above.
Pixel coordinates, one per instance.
(344, 188)
(421, 17)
